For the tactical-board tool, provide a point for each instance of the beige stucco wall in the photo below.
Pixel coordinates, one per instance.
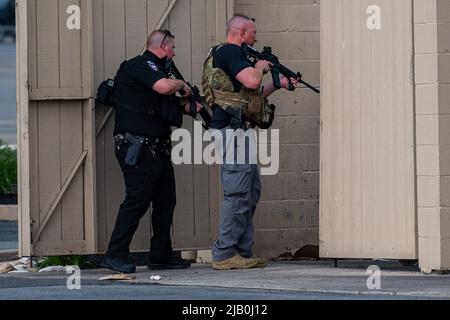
(367, 193)
(287, 215)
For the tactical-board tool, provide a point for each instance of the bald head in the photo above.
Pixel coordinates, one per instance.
(237, 24)
(156, 38)
(241, 29)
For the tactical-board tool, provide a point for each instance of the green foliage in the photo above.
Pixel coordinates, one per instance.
(8, 169)
(80, 261)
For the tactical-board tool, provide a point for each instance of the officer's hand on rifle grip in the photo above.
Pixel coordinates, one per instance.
(186, 91)
(290, 84)
(263, 65)
(199, 106)
(187, 107)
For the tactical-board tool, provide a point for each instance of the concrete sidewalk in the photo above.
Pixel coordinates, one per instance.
(279, 278)
(312, 276)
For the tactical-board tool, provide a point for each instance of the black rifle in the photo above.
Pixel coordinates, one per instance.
(277, 67)
(195, 97)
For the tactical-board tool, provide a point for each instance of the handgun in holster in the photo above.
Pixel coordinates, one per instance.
(134, 148)
(236, 117)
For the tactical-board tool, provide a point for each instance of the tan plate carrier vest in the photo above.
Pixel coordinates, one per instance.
(219, 91)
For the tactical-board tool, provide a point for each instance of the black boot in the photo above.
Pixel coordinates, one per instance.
(118, 264)
(173, 263)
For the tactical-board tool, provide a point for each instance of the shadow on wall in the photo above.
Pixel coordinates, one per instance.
(308, 252)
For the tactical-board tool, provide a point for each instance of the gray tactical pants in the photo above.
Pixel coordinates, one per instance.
(242, 190)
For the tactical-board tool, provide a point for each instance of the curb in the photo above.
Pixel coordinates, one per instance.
(8, 212)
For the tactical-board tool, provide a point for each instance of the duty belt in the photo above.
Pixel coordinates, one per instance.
(145, 140)
(159, 147)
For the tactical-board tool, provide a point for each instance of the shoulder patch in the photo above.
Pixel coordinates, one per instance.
(153, 66)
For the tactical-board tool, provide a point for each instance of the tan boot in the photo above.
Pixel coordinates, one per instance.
(236, 262)
(262, 263)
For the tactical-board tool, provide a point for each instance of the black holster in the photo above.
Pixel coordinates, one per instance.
(237, 120)
(134, 148)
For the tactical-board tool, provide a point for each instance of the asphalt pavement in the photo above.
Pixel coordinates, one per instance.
(300, 280)
(280, 280)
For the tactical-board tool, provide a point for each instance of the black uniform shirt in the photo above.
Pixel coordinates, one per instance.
(231, 59)
(135, 80)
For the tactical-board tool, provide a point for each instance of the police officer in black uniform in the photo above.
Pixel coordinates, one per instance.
(146, 109)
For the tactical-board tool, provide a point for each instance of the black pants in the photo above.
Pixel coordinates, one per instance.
(152, 181)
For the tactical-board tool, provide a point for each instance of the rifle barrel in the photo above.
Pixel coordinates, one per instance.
(310, 86)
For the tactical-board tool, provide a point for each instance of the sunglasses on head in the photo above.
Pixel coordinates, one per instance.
(167, 33)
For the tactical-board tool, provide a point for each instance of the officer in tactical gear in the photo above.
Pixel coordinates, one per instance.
(232, 88)
(146, 109)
